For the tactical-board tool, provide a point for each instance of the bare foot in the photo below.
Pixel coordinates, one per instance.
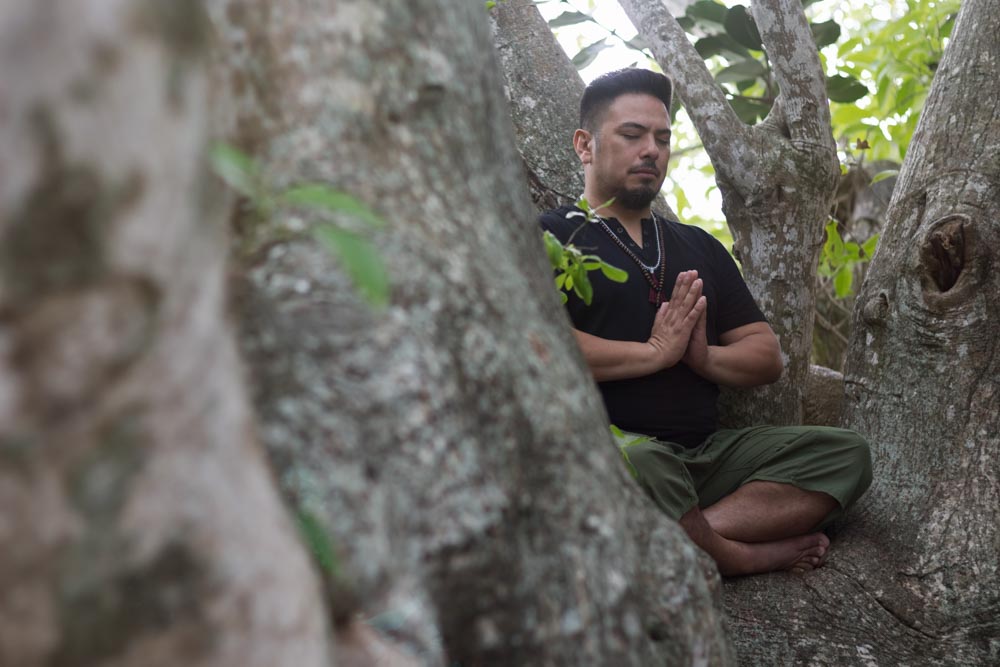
(734, 558)
(795, 554)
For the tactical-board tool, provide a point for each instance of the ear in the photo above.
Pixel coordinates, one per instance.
(583, 143)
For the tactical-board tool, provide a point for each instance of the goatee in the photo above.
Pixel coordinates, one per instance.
(635, 199)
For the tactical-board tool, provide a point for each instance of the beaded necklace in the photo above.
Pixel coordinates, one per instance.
(657, 293)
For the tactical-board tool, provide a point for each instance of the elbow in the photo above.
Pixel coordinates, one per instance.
(776, 367)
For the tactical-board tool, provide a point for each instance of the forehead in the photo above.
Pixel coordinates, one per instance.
(639, 108)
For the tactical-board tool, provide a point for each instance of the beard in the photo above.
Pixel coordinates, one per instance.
(635, 199)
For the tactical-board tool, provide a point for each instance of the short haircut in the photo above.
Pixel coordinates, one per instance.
(605, 89)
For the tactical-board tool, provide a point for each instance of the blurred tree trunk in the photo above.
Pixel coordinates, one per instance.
(452, 444)
(915, 575)
(140, 525)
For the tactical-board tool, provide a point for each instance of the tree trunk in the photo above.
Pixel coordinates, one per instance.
(452, 444)
(777, 180)
(914, 578)
(543, 90)
(140, 525)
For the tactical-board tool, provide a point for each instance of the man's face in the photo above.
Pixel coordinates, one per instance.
(629, 154)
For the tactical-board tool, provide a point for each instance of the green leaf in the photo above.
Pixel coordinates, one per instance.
(582, 286)
(708, 46)
(685, 22)
(569, 18)
(834, 237)
(741, 27)
(236, 168)
(606, 204)
(361, 261)
(948, 25)
(617, 432)
(870, 245)
(748, 110)
(320, 543)
(614, 273)
(588, 53)
(628, 462)
(741, 71)
(637, 43)
(845, 89)
(882, 175)
(553, 249)
(321, 197)
(491, 4)
(706, 10)
(843, 281)
(825, 33)
(721, 44)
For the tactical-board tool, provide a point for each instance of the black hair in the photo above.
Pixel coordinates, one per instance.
(605, 89)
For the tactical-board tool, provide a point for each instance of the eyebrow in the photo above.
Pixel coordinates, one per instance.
(631, 125)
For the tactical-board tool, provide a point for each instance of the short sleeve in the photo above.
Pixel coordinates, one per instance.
(736, 305)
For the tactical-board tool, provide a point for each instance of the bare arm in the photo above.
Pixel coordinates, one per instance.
(748, 356)
(668, 340)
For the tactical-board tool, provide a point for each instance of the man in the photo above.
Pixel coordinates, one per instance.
(682, 324)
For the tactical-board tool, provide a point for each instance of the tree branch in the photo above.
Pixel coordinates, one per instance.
(795, 63)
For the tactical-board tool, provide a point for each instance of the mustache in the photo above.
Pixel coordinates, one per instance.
(646, 164)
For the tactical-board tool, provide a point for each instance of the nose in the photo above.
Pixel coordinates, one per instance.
(650, 149)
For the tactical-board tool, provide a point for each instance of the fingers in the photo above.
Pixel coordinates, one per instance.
(686, 304)
(687, 292)
(676, 319)
(697, 312)
(683, 284)
(681, 280)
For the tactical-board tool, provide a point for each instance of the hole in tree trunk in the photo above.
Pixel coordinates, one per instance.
(943, 253)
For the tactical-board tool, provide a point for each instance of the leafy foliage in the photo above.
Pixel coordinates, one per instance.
(839, 258)
(624, 441)
(572, 266)
(897, 59)
(347, 220)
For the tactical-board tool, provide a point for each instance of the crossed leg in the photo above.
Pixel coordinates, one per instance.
(761, 527)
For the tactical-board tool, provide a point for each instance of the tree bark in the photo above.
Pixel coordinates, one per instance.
(777, 180)
(913, 578)
(140, 524)
(452, 444)
(543, 90)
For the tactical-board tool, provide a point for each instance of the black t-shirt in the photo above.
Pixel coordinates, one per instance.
(675, 404)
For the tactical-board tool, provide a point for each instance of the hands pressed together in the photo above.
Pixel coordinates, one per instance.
(678, 332)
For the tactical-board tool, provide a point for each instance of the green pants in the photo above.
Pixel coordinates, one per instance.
(814, 458)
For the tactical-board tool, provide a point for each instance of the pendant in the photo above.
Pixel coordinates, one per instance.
(656, 297)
